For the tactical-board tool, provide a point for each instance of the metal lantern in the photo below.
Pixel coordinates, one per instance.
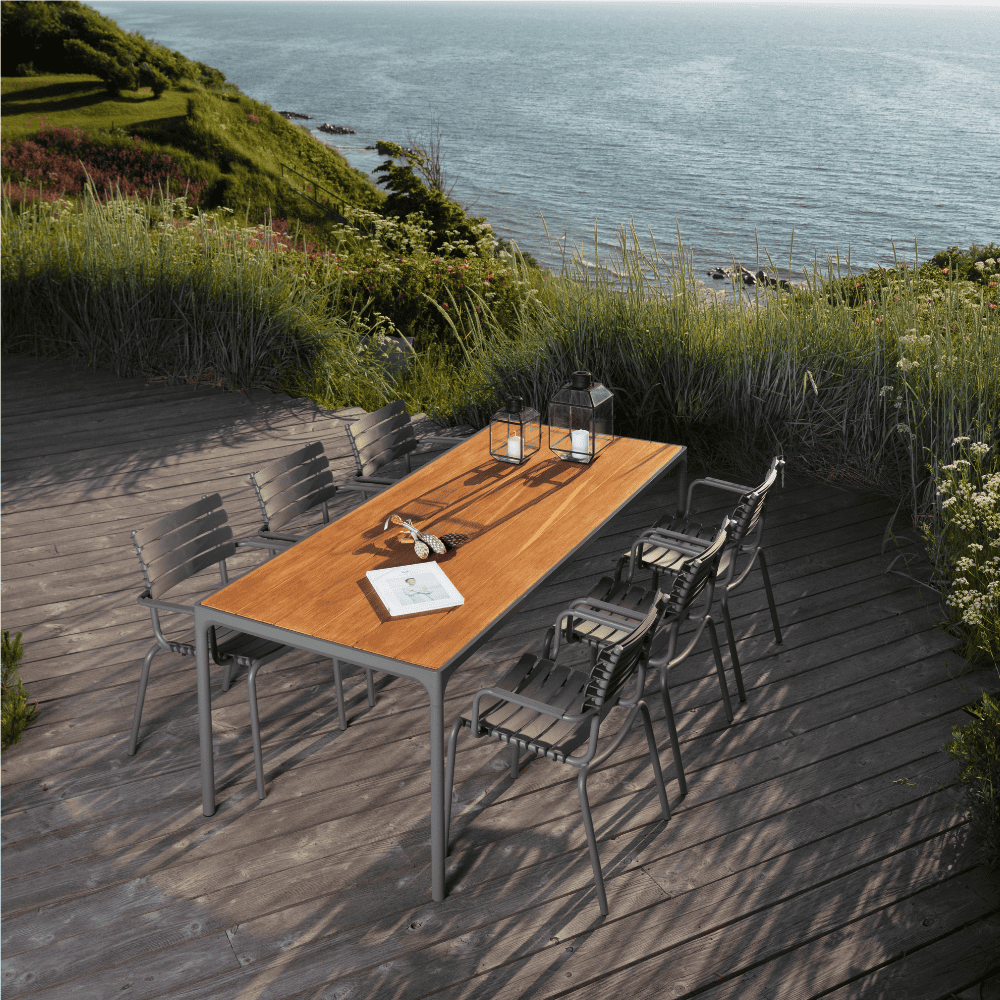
(581, 419)
(515, 432)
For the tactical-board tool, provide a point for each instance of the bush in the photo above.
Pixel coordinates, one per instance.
(963, 540)
(977, 749)
(17, 714)
(64, 160)
(138, 286)
(71, 37)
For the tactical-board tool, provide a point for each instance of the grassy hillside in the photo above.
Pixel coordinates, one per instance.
(233, 144)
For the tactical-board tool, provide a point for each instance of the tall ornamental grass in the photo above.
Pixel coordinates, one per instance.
(138, 286)
(869, 394)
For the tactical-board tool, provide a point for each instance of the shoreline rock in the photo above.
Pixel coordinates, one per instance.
(336, 129)
(294, 114)
(748, 277)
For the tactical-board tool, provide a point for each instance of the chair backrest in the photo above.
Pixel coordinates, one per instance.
(179, 545)
(695, 575)
(616, 665)
(750, 510)
(293, 485)
(380, 437)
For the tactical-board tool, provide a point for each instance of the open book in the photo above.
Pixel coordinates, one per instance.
(407, 590)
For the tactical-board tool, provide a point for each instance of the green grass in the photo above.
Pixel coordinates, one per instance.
(208, 132)
(134, 285)
(81, 100)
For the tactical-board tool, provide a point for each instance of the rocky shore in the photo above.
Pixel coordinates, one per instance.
(748, 277)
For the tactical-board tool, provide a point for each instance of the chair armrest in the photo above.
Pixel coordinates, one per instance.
(442, 439)
(518, 699)
(686, 545)
(581, 609)
(573, 612)
(715, 484)
(149, 602)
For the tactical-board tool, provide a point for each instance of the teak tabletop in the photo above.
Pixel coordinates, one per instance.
(521, 522)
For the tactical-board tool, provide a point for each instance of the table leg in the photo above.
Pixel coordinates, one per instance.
(204, 716)
(682, 483)
(435, 691)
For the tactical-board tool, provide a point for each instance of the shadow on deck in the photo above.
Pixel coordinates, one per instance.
(819, 851)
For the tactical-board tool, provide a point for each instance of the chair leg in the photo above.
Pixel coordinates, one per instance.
(515, 761)
(228, 679)
(370, 681)
(449, 783)
(258, 755)
(595, 858)
(654, 759)
(718, 667)
(140, 698)
(770, 598)
(731, 639)
(338, 685)
(675, 743)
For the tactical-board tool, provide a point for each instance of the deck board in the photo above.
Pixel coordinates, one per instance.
(819, 849)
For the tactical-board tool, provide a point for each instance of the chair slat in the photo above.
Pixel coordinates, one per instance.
(382, 431)
(377, 460)
(378, 416)
(281, 517)
(280, 466)
(170, 522)
(294, 483)
(181, 554)
(196, 565)
(207, 523)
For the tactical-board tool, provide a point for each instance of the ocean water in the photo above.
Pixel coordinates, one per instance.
(804, 131)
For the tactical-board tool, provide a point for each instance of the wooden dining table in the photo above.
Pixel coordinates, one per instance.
(520, 524)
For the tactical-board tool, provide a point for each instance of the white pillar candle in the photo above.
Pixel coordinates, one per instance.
(580, 443)
(514, 446)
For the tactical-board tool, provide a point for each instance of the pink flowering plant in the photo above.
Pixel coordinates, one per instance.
(60, 161)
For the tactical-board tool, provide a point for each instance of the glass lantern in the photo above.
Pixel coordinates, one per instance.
(515, 432)
(581, 419)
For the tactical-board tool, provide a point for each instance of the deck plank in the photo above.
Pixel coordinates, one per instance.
(818, 837)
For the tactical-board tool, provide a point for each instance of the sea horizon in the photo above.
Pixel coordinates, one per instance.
(798, 133)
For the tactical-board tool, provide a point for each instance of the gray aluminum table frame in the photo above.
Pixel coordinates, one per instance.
(433, 680)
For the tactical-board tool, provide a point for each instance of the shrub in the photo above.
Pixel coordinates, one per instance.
(976, 747)
(65, 160)
(17, 714)
(72, 37)
(140, 287)
(963, 540)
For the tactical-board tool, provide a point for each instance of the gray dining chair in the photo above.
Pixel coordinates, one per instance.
(553, 711)
(382, 437)
(172, 550)
(287, 490)
(612, 608)
(664, 547)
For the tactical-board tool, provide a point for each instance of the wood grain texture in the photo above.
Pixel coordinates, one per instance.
(820, 849)
(521, 522)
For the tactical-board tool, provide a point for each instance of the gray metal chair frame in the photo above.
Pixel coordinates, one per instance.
(287, 488)
(290, 487)
(665, 547)
(552, 710)
(622, 605)
(382, 437)
(173, 549)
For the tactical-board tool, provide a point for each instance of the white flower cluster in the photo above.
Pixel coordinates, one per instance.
(970, 510)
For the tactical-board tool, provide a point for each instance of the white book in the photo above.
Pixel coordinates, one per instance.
(408, 590)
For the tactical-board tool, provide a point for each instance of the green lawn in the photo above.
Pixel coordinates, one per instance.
(81, 100)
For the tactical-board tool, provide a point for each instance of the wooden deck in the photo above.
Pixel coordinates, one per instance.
(819, 851)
